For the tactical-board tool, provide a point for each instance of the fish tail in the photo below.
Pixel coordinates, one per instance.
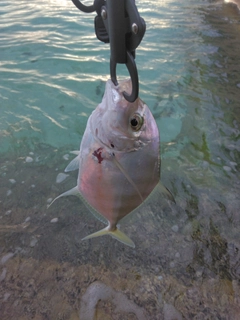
(72, 192)
(116, 234)
(122, 237)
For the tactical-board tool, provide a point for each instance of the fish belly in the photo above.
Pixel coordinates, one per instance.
(106, 188)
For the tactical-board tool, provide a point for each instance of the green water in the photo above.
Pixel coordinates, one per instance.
(53, 70)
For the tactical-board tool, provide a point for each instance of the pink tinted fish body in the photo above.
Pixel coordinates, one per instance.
(119, 159)
(110, 140)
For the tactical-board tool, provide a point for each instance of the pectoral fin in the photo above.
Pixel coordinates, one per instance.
(74, 164)
(116, 234)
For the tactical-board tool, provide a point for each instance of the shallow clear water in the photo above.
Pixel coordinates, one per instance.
(186, 264)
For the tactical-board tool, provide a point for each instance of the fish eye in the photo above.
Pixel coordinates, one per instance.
(136, 122)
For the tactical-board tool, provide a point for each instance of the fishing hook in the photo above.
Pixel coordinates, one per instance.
(132, 69)
(82, 7)
(119, 23)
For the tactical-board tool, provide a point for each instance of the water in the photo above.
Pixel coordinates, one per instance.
(53, 72)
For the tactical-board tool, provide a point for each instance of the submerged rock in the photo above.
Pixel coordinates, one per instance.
(3, 274)
(99, 291)
(66, 157)
(33, 242)
(61, 177)
(7, 257)
(171, 313)
(29, 159)
(175, 228)
(9, 192)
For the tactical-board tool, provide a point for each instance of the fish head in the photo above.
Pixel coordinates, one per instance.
(122, 125)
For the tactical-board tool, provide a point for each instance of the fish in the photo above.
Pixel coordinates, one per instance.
(119, 160)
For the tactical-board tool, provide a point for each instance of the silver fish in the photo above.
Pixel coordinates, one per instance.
(118, 161)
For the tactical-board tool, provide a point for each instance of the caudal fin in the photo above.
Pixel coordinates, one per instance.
(116, 234)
